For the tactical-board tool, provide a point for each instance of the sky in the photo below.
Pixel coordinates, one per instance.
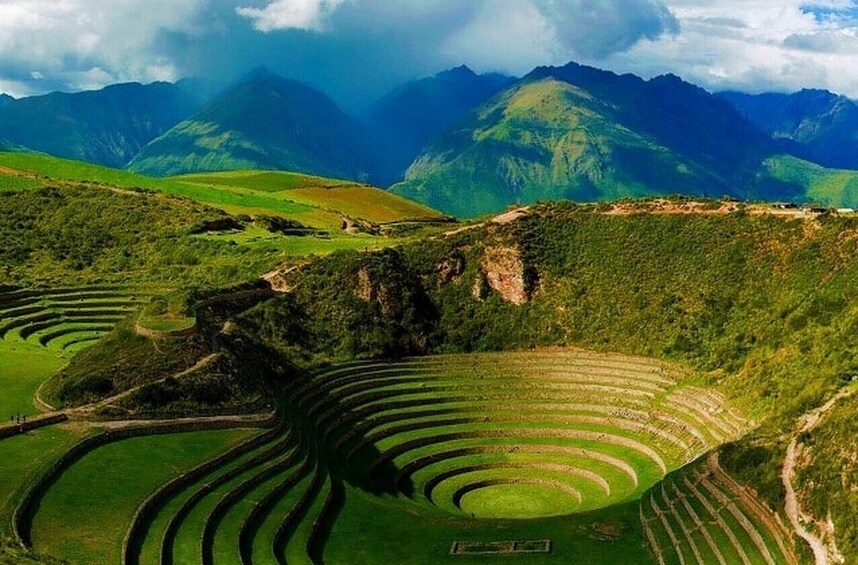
(355, 50)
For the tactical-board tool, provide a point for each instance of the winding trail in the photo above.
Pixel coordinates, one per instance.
(792, 507)
(90, 408)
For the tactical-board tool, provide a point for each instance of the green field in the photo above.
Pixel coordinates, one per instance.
(23, 368)
(354, 200)
(24, 457)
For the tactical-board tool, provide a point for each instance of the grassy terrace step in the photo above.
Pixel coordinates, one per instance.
(177, 527)
(601, 426)
(267, 508)
(221, 540)
(293, 539)
(700, 515)
(104, 488)
(74, 316)
(146, 522)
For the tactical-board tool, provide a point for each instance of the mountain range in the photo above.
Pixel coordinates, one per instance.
(822, 124)
(579, 133)
(469, 144)
(108, 127)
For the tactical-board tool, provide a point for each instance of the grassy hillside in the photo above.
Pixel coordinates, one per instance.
(108, 126)
(757, 303)
(264, 122)
(579, 133)
(306, 199)
(831, 187)
(358, 201)
(406, 119)
(547, 140)
(467, 388)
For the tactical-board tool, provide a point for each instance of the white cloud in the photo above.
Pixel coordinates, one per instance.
(291, 14)
(756, 45)
(87, 43)
(506, 34)
(517, 35)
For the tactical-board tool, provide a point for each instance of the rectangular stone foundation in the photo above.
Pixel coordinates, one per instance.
(500, 547)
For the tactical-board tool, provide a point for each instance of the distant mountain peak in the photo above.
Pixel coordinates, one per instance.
(263, 122)
(457, 72)
(5, 98)
(257, 74)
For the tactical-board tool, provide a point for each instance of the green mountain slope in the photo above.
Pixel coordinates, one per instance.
(264, 122)
(581, 133)
(546, 140)
(107, 126)
(406, 119)
(831, 187)
(823, 126)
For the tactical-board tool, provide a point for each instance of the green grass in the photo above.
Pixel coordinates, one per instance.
(830, 187)
(166, 324)
(258, 240)
(103, 490)
(694, 491)
(12, 182)
(264, 181)
(507, 391)
(24, 457)
(403, 533)
(23, 368)
(518, 502)
(242, 192)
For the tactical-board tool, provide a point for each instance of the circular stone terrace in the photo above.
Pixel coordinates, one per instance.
(516, 435)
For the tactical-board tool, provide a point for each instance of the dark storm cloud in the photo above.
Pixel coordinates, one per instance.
(352, 49)
(357, 49)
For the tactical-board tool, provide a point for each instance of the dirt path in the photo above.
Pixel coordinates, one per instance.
(791, 507)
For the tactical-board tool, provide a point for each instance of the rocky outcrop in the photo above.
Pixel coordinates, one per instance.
(506, 274)
(480, 289)
(386, 293)
(451, 269)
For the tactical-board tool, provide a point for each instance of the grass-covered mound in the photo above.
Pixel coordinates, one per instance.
(173, 358)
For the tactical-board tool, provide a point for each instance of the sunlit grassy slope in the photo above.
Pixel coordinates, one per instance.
(834, 187)
(339, 196)
(313, 201)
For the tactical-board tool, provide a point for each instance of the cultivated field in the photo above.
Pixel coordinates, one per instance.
(313, 201)
(517, 435)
